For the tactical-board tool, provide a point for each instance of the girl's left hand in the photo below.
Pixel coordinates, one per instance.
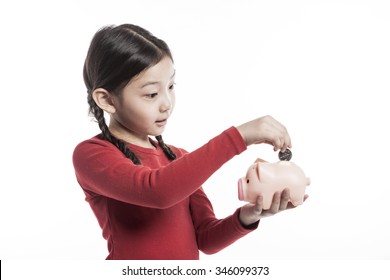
(251, 213)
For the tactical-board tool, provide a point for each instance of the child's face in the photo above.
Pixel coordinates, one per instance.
(145, 103)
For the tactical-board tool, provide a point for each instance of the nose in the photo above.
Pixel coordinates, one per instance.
(166, 102)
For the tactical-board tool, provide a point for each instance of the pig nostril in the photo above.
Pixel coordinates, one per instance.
(247, 181)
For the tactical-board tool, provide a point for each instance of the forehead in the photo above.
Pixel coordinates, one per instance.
(164, 70)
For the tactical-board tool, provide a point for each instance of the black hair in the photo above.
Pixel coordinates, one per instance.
(116, 55)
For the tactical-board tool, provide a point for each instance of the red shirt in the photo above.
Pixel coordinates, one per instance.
(158, 210)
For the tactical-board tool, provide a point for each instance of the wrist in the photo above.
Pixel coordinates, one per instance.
(241, 130)
(248, 222)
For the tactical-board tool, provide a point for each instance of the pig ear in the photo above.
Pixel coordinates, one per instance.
(259, 160)
(258, 170)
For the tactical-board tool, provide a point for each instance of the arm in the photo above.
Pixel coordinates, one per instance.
(101, 168)
(215, 234)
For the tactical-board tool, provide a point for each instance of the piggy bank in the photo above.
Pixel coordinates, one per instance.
(267, 178)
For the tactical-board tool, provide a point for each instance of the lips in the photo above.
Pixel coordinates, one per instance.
(161, 122)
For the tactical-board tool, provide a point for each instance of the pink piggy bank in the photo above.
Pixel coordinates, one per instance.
(267, 178)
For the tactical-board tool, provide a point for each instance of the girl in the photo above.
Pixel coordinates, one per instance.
(145, 194)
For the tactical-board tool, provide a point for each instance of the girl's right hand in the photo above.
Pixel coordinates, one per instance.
(266, 130)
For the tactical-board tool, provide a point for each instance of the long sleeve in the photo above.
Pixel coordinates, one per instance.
(214, 234)
(102, 169)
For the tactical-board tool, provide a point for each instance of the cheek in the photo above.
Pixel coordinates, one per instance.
(142, 115)
(173, 101)
(133, 113)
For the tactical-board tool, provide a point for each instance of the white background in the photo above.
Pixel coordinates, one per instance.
(322, 68)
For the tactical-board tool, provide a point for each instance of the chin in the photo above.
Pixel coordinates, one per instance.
(157, 132)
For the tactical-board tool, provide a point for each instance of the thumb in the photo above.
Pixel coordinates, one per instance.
(258, 207)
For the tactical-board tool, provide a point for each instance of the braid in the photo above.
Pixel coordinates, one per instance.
(168, 152)
(106, 134)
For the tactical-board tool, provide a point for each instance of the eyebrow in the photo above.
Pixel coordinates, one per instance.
(154, 82)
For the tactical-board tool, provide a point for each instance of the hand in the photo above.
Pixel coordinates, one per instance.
(266, 130)
(251, 213)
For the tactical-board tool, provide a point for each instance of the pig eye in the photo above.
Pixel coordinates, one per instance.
(247, 181)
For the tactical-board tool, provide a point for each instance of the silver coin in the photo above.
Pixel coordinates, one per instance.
(286, 155)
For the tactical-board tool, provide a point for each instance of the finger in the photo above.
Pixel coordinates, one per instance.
(277, 142)
(284, 136)
(277, 133)
(286, 143)
(281, 142)
(258, 207)
(285, 197)
(290, 205)
(275, 203)
(287, 139)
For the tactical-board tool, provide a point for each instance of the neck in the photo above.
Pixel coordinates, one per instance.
(132, 138)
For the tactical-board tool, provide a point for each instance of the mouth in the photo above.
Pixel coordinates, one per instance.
(162, 122)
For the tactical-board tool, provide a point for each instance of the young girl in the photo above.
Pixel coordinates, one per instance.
(145, 194)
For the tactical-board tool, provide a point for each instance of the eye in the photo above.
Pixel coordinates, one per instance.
(172, 87)
(151, 95)
(247, 181)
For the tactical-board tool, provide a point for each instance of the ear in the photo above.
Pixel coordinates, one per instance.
(104, 100)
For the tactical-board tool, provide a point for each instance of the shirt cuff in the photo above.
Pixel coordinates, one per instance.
(236, 138)
(240, 226)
